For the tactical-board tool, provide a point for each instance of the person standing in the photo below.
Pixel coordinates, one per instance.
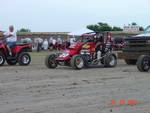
(59, 41)
(54, 43)
(72, 40)
(45, 44)
(50, 42)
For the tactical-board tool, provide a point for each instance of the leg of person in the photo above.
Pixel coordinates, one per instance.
(9, 46)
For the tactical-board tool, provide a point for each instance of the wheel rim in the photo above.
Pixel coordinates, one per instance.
(146, 65)
(79, 62)
(112, 61)
(1, 59)
(25, 59)
(52, 63)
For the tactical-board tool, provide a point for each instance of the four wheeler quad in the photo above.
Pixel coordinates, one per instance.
(19, 54)
(83, 54)
(143, 63)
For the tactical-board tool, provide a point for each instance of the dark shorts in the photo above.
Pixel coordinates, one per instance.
(11, 44)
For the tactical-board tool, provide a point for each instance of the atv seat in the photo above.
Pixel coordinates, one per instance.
(20, 43)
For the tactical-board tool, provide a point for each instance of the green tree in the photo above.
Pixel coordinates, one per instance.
(94, 27)
(117, 29)
(24, 30)
(100, 27)
(141, 28)
(134, 23)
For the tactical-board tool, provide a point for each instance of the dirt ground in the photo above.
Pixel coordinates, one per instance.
(36, 89)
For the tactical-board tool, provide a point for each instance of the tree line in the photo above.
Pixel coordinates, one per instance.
(99, 27)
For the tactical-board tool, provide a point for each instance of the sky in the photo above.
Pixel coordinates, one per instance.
(70, 15)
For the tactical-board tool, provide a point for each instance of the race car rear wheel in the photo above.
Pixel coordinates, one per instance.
(143, 63)
(110, 60)
(2, 59)
(77, 62)
(50, 61)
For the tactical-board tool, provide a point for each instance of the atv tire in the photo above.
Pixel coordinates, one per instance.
(143, 63)
(11, 62)
(24, 59)
(77, 62)
(50, 61)
(2, 59)
(110, 60)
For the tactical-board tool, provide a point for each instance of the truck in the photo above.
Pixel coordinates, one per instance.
(135, 46)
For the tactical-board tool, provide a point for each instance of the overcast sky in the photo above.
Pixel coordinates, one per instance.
(69, 15)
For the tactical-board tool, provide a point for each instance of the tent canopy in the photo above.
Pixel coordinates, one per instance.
(80, 32)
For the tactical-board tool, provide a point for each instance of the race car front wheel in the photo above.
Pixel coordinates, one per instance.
(50, 61)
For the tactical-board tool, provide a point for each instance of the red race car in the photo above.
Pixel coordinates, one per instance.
(19, 53)
(85, 53)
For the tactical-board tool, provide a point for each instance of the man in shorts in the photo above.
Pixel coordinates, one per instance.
(11, 38)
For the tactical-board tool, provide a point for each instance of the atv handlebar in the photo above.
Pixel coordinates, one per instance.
(1, 35)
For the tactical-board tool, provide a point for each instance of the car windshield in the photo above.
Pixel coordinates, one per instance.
(87, 39)
(147, 29)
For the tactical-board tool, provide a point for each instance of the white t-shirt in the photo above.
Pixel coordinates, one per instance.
(54, 41)
(12, 38)
(59, 41)
(51, 40)
(45, 45)
(72, 41)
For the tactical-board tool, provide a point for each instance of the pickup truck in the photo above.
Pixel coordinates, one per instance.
(136, 46)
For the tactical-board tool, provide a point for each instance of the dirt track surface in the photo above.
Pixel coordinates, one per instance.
(36, 89)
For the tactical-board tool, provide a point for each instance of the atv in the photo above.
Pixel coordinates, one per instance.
(19, 53)
(143, 63)
(83, 54)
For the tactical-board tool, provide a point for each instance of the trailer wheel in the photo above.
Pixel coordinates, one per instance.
(130, 61)
(143, 63)
(77, 62)
(50, 61)
(110, 60)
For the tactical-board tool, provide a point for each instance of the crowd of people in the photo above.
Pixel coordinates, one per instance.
(54, 43)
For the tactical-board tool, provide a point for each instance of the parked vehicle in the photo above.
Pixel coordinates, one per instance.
(19, 54)
(84, 54)
(136, 46)
(118, 43)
